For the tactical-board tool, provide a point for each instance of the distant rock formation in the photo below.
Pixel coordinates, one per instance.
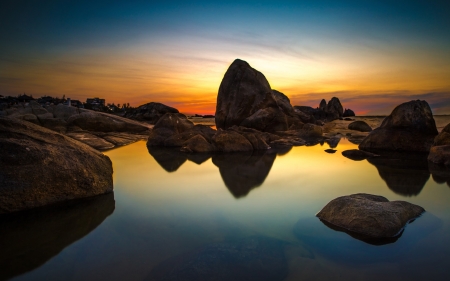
(41, 167)
(410, 127)
(325, 112)
(246, 99)
(348, 113)
(323, 105)
(97, 129)
(370, 216)
(150, 112)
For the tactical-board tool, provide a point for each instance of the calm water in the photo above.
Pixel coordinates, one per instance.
(168, 212)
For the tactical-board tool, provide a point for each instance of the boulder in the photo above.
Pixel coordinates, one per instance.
(440, 155)
(197, 144)
(150, 112)
(334, 109)
(444, 137)
(370, 215)
(323, 105)
(348, 113)
(357, 155)
(245, 93)
(41, 167)
(410, 127)
(359, 126)
(311, 131)
(231, 141)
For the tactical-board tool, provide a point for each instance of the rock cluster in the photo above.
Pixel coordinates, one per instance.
(410, 127)
(326, 112)
(40, 167)
(369, 215)
(150, 112)
(97, 129)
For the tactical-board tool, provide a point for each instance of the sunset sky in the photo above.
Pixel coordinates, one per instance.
(372, 55)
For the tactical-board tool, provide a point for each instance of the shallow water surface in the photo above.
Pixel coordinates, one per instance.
(245, 216)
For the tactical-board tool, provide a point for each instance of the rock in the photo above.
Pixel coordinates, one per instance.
(231, 141)
(330, 151)
(102, 122)
(440, 155)
(410, 127)
(440, 173)
(370, 215)
(245, 93)
(41, 167)
(323, 105)
(64, 112)
(358, 155)
(92, 140)
(197, 144)
(170, 126)
(348, 113)
(311, 131)
(334, 141)
(334, 109)
(359, 126)
(30, 238)
(150, 112)
(250, 259)
(443, 138)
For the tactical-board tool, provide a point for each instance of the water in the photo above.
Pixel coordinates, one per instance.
(228, 216)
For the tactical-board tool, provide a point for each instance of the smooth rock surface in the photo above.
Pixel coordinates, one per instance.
(41, 167)
(370, 215)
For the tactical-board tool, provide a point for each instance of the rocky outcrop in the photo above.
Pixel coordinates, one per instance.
(326, 112)
(150, 112)
(89, 126)
(358, 155)
(440, 152)
(323, 105)
(253, 258)
(334, 109)
(348, 113)
(369, 215)
(246, 99)
(41, 167)
(410, 127)
(359, 126)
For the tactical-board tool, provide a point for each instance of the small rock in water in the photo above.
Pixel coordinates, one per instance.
(357, 155)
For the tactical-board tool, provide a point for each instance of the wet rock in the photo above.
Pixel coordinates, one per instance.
(348, 113)
(245, 93)
(41, 167)
(150, 112)
(29, 239)
(358, 155)
(359, 126)
(369, 215)
(410, 127)
(250, 259)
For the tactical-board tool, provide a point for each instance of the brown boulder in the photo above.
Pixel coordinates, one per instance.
(440, 155)
(150, 112)
(370, 215)
(410, 127)
(359, 126)
(41, 167)
(231, 141)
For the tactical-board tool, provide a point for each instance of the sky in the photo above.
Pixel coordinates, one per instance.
(372, 55)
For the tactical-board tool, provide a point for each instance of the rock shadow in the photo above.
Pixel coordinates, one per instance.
(255, 258)
(171, 159)
(404, 173)
(28, 239)
(241, 172)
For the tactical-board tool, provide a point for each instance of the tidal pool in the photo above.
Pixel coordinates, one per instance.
(244, 216)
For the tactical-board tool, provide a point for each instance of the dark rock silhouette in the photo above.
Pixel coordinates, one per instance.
(241, 172)
(323, 105)
(404, 173)
(439, 173)
(410, 127)
(326, 112)
(369, 215)
(359, 126)
(29, 239)
(41, 167)
(254, 258)
(348, 113)
(168, 158)
(358, 155)
(334, 109)
(150, 112)
(440, 151)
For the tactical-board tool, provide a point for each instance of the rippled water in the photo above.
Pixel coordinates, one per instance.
(231, 217)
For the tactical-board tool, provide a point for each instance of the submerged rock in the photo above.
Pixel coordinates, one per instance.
(369, 215)
(254, 258)
(41, 167)
(359, 126)
(410, 127)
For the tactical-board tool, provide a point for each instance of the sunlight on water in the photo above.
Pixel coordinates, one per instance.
(168, 203)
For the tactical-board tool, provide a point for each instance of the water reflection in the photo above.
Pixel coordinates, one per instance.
(29, 239)
(171, 159)
(404, 173)
(440, 174)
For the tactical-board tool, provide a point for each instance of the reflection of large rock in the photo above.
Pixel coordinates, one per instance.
(171, 159)
(245, 98)
(29, 239)
(40, 167)
(241, 172)
(410, 127)
(249, 259)
(369, 215)
(150, 112)
(404, 173)
(440, 173)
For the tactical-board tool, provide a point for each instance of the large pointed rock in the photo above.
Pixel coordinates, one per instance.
(245, 97)
(410, 127)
